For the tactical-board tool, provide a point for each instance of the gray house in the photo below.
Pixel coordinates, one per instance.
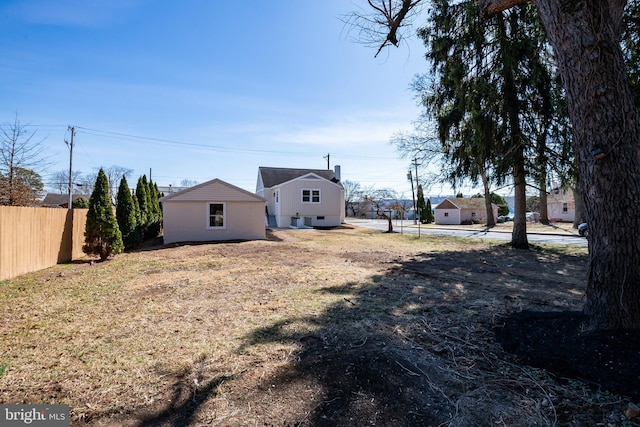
(301, 197)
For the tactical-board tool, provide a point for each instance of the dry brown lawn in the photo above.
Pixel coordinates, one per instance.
(309, 327)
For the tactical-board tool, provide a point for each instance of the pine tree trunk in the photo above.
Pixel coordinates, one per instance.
(512, 116)
(519, 235)
(585, 37)
(491, 220)
(544, 211)
(579, 216)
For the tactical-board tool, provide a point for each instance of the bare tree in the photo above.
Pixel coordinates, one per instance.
(20, 156)
(377, 200)
(385, 24)
(60, 183)
(188, 182)
(352, 196)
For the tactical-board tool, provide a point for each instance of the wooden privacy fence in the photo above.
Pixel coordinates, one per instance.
(35, 238)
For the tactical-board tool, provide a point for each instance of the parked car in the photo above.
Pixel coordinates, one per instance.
(583, 229)
(532, 216)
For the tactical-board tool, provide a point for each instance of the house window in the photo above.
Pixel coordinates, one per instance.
(446, 214)
(216, 214)
(310, 196)
(565, 208)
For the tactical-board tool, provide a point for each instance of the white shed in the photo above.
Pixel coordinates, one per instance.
(456, 211)
(213, 210)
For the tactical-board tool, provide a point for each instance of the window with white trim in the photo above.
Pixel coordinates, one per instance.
(310, 195)
(217, 218)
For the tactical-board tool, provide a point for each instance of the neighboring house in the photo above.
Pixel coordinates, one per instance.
(456, 211)
(55, 200)
(213, 210)
(301, 197)
(561, 205)
(169, 189)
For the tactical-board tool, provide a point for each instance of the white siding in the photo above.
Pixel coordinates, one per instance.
(331, 205)
(447, 216)
(186, 221)
(555, 211)
(186, 216)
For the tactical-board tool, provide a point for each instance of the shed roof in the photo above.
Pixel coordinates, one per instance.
(462, 203)
(275, 176)
(214, 190)
(56, 199)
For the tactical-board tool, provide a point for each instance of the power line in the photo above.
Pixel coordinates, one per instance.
(151, 140)
(163, 141)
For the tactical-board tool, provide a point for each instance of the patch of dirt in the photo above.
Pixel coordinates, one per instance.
(318, 328)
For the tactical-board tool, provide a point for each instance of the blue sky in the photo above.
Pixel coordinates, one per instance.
(204, 89)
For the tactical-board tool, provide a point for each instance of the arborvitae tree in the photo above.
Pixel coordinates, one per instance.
(102, 236)
(136, 211)
(143, 204)
(421, 205)
(126, 215)
(154, 223)
(429, 214)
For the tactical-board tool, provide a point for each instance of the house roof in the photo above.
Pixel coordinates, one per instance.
(275, 176)
(55, 199)
(463, 203)
(214, 190)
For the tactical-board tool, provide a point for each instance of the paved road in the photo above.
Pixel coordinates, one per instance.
(561, 239)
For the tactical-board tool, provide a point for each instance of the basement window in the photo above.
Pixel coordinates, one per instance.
(320, 218)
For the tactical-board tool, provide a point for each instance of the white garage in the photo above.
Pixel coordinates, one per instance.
(213, 211)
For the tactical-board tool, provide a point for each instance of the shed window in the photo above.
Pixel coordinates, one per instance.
(217, 217)
(310, 196)
(446, 214)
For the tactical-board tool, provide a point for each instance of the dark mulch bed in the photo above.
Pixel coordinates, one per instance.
(559, 343)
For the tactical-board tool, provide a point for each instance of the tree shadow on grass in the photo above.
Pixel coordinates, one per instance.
(187, 396)
(415, 345)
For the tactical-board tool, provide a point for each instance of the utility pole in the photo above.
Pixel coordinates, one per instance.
(415, 162)
(327, 157)
(413, 193)
(70, 145)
